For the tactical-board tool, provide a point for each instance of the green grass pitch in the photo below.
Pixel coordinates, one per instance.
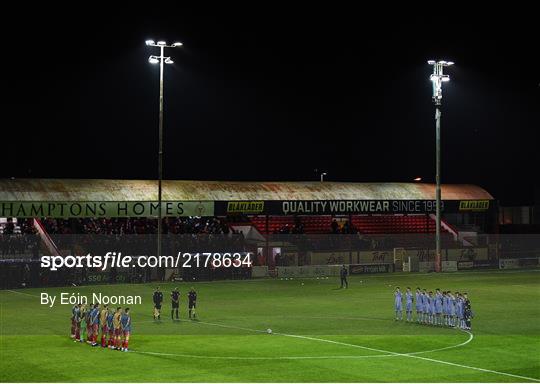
(320, 334)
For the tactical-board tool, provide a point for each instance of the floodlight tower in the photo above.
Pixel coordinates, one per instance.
(437, 78)
(161, 60)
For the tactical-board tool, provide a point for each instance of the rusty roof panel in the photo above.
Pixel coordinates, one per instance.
(186, 190)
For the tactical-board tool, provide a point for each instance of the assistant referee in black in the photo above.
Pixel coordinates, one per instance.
(343, 274)
(175, 303)
(158, 299)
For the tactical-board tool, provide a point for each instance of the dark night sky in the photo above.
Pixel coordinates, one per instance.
(273, 96)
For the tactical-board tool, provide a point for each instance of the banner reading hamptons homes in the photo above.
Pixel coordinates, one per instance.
(71, 209)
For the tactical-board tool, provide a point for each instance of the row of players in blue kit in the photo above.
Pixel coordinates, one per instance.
(441, 308)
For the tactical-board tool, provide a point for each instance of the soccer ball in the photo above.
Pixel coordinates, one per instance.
(302, 283)
(269, 331)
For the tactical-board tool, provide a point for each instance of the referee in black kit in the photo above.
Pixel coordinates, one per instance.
(175, 303)
(158, 299)
(343, 274)
(192, 303)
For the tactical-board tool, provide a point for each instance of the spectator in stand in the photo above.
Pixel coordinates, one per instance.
(9, 228)
(346, 227)
(335, 226)
(298, 226)
(260, 259)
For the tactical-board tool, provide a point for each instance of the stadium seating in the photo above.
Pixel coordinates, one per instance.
(394, 224)
(382, 224)
(317, 224)
(275, 223)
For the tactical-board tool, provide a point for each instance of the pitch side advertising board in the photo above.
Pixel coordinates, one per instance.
(370, 268)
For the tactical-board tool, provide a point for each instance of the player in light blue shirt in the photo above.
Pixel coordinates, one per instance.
(451, 309)
(459, 310)
(419, 305)
(408, 304)
(425, 307)
(445, 307)
(431, 308)
(397, 304)
(438, 307)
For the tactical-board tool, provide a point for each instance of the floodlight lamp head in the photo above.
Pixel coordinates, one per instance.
(150, 42)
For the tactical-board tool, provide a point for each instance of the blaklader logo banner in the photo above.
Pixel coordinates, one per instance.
(245, 207)
(474, 205)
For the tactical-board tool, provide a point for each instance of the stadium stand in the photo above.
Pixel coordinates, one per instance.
(135, 226)
(282, 223)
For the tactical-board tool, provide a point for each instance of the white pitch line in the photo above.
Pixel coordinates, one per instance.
(262, 357)
(386, 353)
(21, 293)
(475, 368)
(471, 337)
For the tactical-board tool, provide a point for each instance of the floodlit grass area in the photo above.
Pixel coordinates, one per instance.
(320, 333)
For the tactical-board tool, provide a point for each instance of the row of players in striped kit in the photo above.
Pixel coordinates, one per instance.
(442, 308)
